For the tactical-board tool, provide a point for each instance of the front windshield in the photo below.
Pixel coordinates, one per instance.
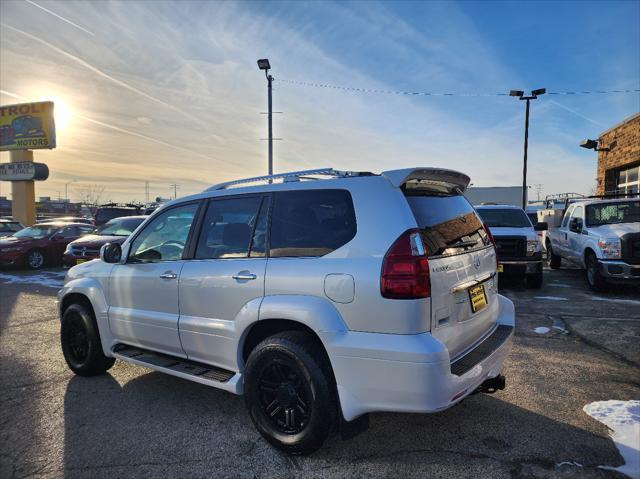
(9, 227)
(37, 231)
(613, 213)
(504, 218)
(119, 227)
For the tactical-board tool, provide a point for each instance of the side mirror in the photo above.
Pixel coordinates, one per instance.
(575, 225)
(541, 226)
(111, 253)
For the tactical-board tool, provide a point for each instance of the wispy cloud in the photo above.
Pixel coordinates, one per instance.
(99, 72)
(61, 17)
(577, 113)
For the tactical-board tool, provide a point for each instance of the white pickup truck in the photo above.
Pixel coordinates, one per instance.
(601, 236)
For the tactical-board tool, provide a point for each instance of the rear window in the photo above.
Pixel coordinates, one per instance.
(504, 218)
(311, 223)
(449, 224)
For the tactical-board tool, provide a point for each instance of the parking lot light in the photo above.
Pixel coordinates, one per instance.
(520, 94)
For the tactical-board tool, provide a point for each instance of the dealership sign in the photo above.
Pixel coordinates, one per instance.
(23, 171)
(27, 126)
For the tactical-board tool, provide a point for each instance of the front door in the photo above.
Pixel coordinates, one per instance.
(225, 276)
(143, 292)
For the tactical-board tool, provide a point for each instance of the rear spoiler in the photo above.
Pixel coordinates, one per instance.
(400, 177)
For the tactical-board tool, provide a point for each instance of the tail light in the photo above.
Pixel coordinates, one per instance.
(405, 268)
(488, 231)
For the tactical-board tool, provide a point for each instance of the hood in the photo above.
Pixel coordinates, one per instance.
(614, 231)
(526, 231)
(97, 240)
(13, 241)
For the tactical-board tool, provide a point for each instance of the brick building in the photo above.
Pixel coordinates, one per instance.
(619, 168)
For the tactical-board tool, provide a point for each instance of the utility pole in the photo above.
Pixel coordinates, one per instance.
(533, 96)
(539, 190)
(146, 191)
(264, 65)
(175, 187)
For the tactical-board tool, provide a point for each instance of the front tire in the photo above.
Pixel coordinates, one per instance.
(289, 392)
(35, 259)
(594, 278)
(554, 260)
(81, 344)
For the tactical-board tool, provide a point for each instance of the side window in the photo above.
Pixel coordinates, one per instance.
(85, 230)
(566, 217)
(578, 214)
(164, 238)
(228, 228)
(69, 232)
(311, 222)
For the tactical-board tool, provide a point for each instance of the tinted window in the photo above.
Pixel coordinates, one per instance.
(611, 213)
(69, 232)
(105, 214)
(228, 228)
(165, 236)
(37, 231)
(504, 218)
(311, 223)
(449, 223)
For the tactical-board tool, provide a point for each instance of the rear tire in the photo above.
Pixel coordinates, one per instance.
(534, 281)
(35, 259)
(81, 344)
(594, 279)
(289, 392)
(554, 260)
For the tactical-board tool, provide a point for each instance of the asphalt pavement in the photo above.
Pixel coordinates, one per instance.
(133, 422)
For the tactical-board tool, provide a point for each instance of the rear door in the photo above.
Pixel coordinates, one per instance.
(462, 261)
(226, 273)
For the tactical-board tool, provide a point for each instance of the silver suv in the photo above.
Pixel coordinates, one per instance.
(319, 295)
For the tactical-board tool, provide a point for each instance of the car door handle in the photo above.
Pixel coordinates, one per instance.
(168, 275)
(245, 277)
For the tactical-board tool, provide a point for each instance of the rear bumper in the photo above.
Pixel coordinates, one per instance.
(412, 373)
(619, 270)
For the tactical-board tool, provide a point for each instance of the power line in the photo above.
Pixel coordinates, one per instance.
(424, 93)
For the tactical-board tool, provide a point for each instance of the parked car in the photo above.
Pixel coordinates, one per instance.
(601, 236)
(40, 244)
(68, 219)
(106, 213)
(518, 246)
(319, 301)
(88, 247)
(9, 226)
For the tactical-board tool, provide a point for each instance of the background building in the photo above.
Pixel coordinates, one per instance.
(619, 168)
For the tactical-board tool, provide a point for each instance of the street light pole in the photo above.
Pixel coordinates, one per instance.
(269, 80)
(526, 147)
(264, 64)
(528, 98)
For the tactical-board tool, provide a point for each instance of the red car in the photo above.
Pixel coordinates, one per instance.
(40, 244)
(88, 247)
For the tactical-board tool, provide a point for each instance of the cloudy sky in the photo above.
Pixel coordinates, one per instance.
(169, 92)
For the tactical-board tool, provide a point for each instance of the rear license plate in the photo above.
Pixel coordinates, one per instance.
(78, 261)
(477, 297)
(500, 268)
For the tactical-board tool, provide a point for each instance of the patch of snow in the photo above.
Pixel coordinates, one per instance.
(623, 418)
(552, 298)
(541, 330)
(48, 279)
(616, 300)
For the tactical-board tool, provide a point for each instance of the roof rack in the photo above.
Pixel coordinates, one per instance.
(291, 177)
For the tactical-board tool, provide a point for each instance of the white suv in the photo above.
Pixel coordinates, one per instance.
(320, 301)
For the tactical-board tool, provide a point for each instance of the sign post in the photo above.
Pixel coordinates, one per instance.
(23, 128)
